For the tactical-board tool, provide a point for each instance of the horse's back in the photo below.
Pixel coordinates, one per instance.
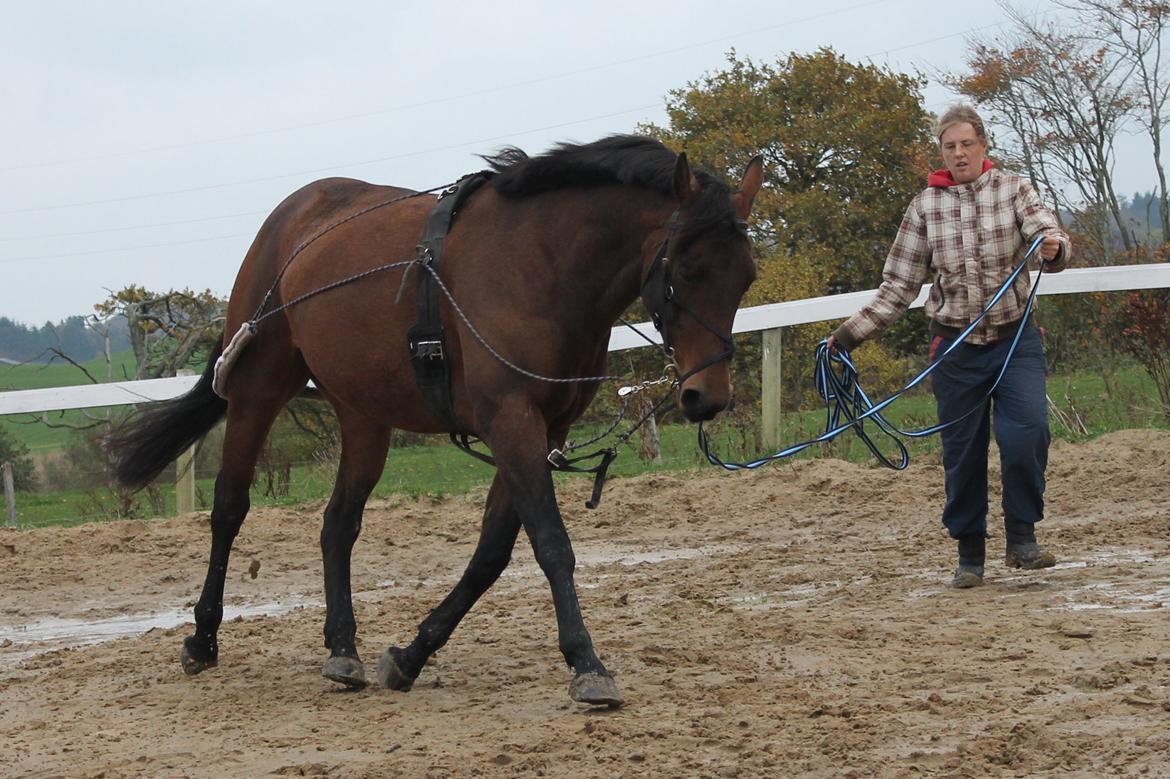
(324, 233)
(293, 223)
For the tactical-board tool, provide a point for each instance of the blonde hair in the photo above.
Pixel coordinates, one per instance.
(958, 114)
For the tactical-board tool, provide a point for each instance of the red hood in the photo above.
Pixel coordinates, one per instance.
(943, 178)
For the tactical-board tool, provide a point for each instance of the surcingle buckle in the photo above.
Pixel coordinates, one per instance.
(428, 350)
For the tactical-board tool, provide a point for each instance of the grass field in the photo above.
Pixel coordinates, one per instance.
(42, 438)
(1085, 404)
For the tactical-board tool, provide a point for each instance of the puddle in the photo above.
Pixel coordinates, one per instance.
(524, 568)
(51, 634)
(786, 598)
(587, 558)
(1113, 597)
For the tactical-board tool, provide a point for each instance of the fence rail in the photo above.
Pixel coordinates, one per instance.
(771, 317)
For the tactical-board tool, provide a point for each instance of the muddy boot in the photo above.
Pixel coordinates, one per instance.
(971, 557)
(1022, 549)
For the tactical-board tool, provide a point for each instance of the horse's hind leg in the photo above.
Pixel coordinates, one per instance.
(398, 668)
(248, 421)
(363, 456)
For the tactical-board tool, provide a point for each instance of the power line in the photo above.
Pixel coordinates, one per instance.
(313, 171)
(453, 98)
(404, 155)
(122, 249)
(45, 236)
(935, 40)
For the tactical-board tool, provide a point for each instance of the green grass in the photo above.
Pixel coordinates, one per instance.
(1123, 399)
(39, 437)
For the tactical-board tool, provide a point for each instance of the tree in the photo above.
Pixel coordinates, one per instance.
(846, 147)
(1061, 98)
(167, 330)
(1133, 32)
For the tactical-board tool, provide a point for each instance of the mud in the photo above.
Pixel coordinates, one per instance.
(793, 621)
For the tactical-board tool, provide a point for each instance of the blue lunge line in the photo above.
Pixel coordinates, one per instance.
(844, 396)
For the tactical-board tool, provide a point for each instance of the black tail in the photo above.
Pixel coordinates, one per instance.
(158, 433)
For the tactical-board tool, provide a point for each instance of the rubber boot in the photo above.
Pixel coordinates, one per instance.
(972, 552)
(1022, 549)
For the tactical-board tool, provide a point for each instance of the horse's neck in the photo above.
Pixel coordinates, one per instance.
(606, 249)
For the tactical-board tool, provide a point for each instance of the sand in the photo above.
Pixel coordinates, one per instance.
(794, 621)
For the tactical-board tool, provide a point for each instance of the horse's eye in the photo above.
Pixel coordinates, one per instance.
(692, 272)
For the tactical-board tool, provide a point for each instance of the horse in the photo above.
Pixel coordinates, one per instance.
(538, 265)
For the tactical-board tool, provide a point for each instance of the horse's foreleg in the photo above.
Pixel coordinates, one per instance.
(519, 443)
(545, 527)
(399, 668)
(246, 428)
(363, 456)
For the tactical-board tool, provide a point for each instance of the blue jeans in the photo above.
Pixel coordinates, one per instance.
(1020, 410)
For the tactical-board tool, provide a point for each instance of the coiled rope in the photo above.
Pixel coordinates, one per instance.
(837, 382)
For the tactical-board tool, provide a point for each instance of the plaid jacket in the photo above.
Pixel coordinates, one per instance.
(967, 238)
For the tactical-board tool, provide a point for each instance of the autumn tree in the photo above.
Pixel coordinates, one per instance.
(1058, 98)
(167, 329)
(1133, 31)
(845, 146)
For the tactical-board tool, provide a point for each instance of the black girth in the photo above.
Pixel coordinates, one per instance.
(428, 353)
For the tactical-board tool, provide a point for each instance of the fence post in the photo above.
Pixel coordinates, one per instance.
(185, 472)
(9, 494)
(770, 383)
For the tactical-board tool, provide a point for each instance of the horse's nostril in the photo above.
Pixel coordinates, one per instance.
(697, 407)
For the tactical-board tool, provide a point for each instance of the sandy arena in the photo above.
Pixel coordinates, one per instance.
(794, 621)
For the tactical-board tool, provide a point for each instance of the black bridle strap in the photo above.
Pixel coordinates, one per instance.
(661, 264)
(556, 460)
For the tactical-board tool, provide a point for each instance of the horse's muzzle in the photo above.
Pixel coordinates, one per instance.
(700, 406)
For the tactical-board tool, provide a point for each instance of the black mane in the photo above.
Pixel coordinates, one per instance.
(632, 160)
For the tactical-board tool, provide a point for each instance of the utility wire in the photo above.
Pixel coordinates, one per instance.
(453, 98)
(311, 171)
(45, 236)
(88, 252)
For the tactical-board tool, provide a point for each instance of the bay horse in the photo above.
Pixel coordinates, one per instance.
(542, 260)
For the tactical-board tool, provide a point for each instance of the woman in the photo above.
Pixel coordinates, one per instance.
(966, 232)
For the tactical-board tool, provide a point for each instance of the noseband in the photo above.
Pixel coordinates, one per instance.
(658, 292)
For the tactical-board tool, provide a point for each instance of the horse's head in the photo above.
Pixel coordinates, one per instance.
(694, 282)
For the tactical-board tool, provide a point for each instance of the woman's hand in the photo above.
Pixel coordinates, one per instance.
(1049, 248)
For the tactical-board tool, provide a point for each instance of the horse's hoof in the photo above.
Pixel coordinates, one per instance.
(195, 660)
(345, 670)
(595, 689)
(389, 674)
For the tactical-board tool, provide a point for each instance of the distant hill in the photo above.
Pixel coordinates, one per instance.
(22, 343)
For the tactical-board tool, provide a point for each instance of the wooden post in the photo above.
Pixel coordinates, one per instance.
(185, 473)
(9, 493)
(770, 397)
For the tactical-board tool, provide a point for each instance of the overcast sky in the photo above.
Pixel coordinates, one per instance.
(144, 142)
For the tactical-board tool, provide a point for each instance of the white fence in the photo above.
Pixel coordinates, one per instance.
(770, 318)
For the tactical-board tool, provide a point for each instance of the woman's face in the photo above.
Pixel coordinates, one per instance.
(963, 152)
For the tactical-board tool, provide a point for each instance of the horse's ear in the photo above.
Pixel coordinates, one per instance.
(686, 186)
(753, 179)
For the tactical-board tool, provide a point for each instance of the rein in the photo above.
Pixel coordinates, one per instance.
(844, 397)
(257, 318)
(662, 314)
(656, 286)
(557, 458)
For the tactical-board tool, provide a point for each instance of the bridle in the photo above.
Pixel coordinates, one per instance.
(665, 306)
